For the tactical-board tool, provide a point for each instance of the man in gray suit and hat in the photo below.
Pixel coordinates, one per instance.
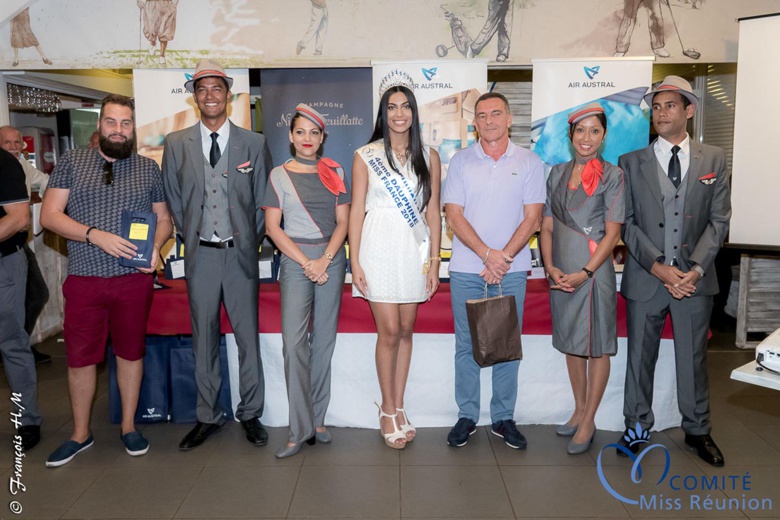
(678, 208)
(214, 175)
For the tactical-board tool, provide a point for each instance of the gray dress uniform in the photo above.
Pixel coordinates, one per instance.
(585, 321)
(215, 275)
(310, 312)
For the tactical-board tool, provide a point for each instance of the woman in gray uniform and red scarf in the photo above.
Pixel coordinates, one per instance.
(581, 225)
(309, 193)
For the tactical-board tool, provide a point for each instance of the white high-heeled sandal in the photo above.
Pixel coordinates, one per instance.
(396, 435)
(407, 427)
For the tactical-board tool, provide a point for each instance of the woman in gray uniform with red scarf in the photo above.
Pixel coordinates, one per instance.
(308, 192)
(581, 225)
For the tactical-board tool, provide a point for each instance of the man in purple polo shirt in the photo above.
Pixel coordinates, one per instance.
(493, 195)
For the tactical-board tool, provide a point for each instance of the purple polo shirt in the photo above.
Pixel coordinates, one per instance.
(492, 194)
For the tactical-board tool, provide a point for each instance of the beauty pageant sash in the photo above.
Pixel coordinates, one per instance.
(402, 195)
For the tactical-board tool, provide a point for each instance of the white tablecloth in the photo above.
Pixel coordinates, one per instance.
(544, 394)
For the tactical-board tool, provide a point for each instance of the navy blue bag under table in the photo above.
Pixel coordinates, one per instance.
(184, 392)
(154, 399)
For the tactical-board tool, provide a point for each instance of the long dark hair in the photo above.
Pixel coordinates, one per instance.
(415, 147)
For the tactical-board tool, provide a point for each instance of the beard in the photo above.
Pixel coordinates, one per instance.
(117, 150)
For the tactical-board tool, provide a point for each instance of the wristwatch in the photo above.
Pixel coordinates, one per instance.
(588, 272)
(329, 257)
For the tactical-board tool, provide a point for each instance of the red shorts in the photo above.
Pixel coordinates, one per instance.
(95, 306)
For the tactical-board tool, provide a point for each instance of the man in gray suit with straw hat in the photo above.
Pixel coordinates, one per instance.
(678, 206)
(214, 175)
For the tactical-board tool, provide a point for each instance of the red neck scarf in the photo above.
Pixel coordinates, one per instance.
(591, 175)
(326, 168)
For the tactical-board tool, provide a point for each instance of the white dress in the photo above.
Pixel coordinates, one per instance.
(389, 254)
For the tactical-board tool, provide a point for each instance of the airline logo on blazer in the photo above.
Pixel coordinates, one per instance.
(245, 168)
(708, 179)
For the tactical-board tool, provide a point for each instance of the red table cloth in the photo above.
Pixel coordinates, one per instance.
(170, 313)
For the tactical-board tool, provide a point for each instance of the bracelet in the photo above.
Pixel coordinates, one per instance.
(437, 257)
(588, 272)
(86, 235)
(486, 256)
(329, 257)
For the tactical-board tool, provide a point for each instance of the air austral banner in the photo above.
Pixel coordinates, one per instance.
(560, 86)
(162, 105)
(446, 91)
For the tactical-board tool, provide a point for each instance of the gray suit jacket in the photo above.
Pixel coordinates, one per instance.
(706, 218)
(184, 180)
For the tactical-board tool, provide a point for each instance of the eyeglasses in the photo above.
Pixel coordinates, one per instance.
(108, 173)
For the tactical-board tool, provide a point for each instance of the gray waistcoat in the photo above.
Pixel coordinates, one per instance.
(674, 204)
(216, 216)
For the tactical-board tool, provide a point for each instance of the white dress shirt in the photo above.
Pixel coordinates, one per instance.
(663, 152)
(33, 177)
(222, 140)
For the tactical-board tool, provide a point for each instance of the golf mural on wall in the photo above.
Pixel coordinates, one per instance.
(171, 34)
(655, 26)
(691, 53)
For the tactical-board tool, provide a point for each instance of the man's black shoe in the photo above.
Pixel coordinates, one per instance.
(459, 434)
(40, 357)
(632, 448)
(508, 431)
(706, 449)
(255, 433)
(198, 435)
(30, 434)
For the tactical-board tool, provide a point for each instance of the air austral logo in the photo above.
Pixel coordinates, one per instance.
(430, 73)
(691, 492)
(431, 84)
(182, 90)
(591, 71)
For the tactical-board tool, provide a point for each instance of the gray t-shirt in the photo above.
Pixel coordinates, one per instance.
(137, 185)
(308, 208)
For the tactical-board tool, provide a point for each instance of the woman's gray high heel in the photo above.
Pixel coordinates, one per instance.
(289, 451)
(576, 448)
(323, 437)
(566, 431)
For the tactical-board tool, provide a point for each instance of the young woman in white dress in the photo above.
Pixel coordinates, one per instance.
(394, 254)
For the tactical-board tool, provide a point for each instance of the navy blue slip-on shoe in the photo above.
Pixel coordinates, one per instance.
(459, 434)
(67, 451)
(507, 430)
(135, 444)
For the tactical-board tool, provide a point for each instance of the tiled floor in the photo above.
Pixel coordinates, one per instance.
(358, 477)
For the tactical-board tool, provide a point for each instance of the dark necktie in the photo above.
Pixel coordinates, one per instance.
(674, 167)
(215, 154)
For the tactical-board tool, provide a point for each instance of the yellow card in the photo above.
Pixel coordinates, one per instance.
(139, 231)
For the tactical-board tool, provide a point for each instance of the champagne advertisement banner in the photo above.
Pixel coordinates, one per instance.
(561, 86)
(162, 105)
(342, 96)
